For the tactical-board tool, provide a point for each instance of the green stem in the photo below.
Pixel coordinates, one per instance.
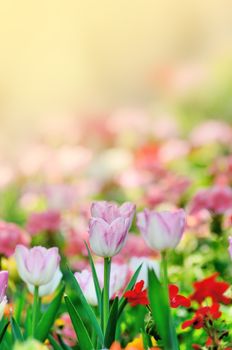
(164, 275)
(35, 309)
(106, 301)
(164, 271)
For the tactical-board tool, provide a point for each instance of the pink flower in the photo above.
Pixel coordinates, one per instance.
(37, 266)
(3, 287)
(161, 230)
(230, 246)
(118, 279)
(211, 131)
(109, 226)
(48, 221)
(10, 236)
(217, 199)
(134, 247)
(65, 329)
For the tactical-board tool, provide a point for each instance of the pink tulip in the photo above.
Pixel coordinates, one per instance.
(10, 236)
(118, 279)
(230, 246)
(37, 266)
(161, 230)
(109, 226)
(3, 287)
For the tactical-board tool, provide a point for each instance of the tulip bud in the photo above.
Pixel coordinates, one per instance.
(109, 226)
(37, 266)
(3, 287)
(161, 230)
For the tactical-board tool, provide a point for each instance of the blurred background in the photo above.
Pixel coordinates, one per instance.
(62, 62)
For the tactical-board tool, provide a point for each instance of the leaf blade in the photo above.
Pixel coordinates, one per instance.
(78, 325)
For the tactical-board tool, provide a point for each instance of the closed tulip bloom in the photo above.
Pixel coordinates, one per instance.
(50, 287)
(109, 226)
(118, 279)
(38, 265)
(3, 287)
(161, 230)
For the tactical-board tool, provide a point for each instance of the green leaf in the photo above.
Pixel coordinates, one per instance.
(111, 325)
(160, 311)
(79, 327)
(3, 330)
(17, 335)
(147, 344)
(27, 323)
(49, 316)
(95, 278)
(129, 286)
(87, 310)
(55, 345)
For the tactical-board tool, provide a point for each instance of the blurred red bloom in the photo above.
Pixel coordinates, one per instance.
(203, 314)
(177, 299)
(137, 296)
(209, 287)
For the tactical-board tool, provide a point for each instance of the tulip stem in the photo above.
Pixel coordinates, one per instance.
(164, 266)
(164, 270)
(35, 309)
(106, 301)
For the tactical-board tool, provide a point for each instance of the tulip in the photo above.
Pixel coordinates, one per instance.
(230, 246)
(37, 266)
(118, 278)
(147, 263)
(161, 230)
(109, 226)
(48, 288)
(3, 287)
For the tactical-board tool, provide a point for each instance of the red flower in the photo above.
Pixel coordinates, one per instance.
(209, 287)
(177, 299)
(137, 296)
(203, 314)
(196, 347)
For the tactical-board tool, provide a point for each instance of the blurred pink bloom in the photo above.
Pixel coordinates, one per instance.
(221, 170)
(136, 247)
(217, 199)
(74, 242)
(48, 221)
(61, 196)
(173, 149)
(129, 120)
(162, 230)
(212, 131)
(65, 329)
(109, 226)
(37, 266)
(118, 279)
(230, 246)
(3, 287)
(169, 189)
(10, 236)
